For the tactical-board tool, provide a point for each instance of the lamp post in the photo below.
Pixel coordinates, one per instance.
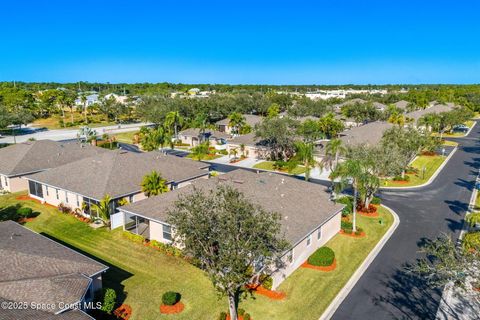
(423, 172)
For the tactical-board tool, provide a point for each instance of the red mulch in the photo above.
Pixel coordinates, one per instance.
(25, 220)
(369, 215)
(176, 308)
(400, 181)
(428, 153)
(353, 235)
(274, 295)
(123, 312)
(476, 289)
(331, 267)
(27, 198)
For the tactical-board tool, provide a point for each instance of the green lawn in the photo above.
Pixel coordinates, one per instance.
(268, 165)
(141, 275)
(431, 164)
(125, 137)
(53, 121)
(449, 143)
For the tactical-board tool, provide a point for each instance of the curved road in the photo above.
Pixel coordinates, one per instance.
(386, 290)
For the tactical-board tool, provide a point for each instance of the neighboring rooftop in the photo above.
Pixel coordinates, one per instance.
(195, 132)
(248, 139)
(250, 119)
(118, 173)
(438, 108)
(38, 270)
(35, 156)
(370, 133)
(303, 206)
(402, 104)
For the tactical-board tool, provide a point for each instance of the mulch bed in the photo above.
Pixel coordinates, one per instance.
(331, 267)
(239, 317)
(369, 215)
(176, 308)
(27, 198)
(123, 312)
(476, 289)
(274, 295)
(25, 220)
(428, 153)
(353, 235)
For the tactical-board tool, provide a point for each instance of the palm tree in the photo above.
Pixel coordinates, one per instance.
(304, 154)
(173, 118)
(397, 118)
(153, 139)
(236, 122)
(199, 152)
(350, 172)
(83, 98)
(333, 150)
(103, 209)
(242, 149)
(234, 152)
(153, 184)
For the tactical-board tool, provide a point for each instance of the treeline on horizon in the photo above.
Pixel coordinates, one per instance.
(165, 88)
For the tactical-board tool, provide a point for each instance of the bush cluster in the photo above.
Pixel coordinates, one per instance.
(266, 281)
(15, 213)
(170, 298)
(134, 237)
(166, 248)
(376, 200)
(109, 300)
(222, 316)
(347, 227)
(323, 257)
(400, 178)
(471, 241)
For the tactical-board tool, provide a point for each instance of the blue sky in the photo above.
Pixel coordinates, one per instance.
(269, 42)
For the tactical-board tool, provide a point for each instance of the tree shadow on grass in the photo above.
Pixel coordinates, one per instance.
(409, 296)
(112, 278)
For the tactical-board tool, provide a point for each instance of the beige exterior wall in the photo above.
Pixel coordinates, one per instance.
(139, 196)
(156, 232)
(302, 251)
(250, 151)
(15, 184)
(67, 198)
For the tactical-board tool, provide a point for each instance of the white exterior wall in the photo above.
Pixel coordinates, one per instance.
(14, 184)
(301, 251)
(67, 198)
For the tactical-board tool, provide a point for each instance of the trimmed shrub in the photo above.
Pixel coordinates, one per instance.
(348, 202)
(109, 300)
(399, 178)
(170, 298)
(222, 316)
(376, 200)
(10, 213)
(241, 311)
(63, 208)
(246, 316)
(223, 152)
(323, 257)
(134, 237)
(25, 212)
(266, 281)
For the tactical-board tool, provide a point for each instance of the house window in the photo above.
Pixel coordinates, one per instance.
(309, 240)
(66, 197)
(167, 232)
(56, 194)
(35, 189)
(78, 201)
(319, 234)
(6, 181)
(46, 189)
(130, 198)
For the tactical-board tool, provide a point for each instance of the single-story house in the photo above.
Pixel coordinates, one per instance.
(250, 119)
(252, 146)
(369, 134)
(308, 218)
(193, 136)
(48, 280)
(379, 106)
(438, 108)
(402, 104)
(91, 99)
(118, 174)
(23, 159)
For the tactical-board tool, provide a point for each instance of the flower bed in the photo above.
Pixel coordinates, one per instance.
(27, 198)
(358, 234)
(123, 312)
(176, 308)
(331, 267)
(274, 295)
(428, 153)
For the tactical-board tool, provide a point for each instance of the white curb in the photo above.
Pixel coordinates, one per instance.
(337, 301)
(429, 180)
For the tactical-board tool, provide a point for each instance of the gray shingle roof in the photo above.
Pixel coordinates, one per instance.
(402, 104)
(303, 206)
(370, 133)
(118, 173)
(248, 139)
(438, 108)
(34, 156)
(195, 132)
(37, 269)
(250, 119)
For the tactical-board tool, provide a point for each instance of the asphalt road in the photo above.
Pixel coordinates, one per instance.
(386, 290)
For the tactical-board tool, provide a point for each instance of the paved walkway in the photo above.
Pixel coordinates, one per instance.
(387, 290)
(69, 134)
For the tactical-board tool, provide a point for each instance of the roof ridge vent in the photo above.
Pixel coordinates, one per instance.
(238, 181)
